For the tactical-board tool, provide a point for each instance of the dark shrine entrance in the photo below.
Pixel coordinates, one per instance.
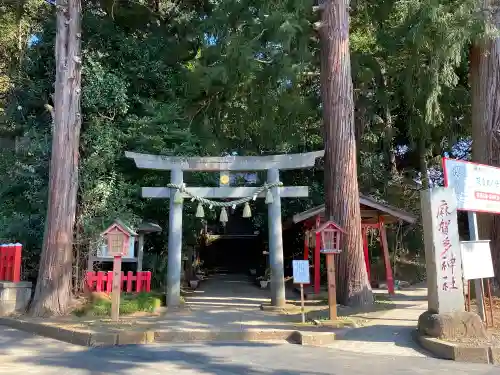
(232, 254)
(233, 248)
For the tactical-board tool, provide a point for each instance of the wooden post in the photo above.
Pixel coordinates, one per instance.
(140, 252)
(332, 290)
(302, 309)
(306, 247)
(16, 266)
(317, 264)
(276, 243)
(117, 286)
(366, 251)
(387, 259)
(306, 244)
(490, 300)
(174, 244)
(478, 288)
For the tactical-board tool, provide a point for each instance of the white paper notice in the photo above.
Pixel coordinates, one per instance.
(301, 272)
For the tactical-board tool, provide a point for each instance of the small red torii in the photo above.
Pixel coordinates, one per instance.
(314, 232)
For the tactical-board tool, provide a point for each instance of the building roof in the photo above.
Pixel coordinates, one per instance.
(371, 210)
(123, 226)
(148, 227)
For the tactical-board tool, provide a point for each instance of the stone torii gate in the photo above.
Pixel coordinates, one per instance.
(178, 165)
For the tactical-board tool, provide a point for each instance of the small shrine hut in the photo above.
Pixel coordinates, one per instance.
(374, 215)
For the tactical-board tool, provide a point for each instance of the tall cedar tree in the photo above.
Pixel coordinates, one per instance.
(53, 289)
(341, 178)
(484, 82)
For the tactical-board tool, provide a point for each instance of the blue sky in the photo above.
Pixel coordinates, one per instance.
(34, 39)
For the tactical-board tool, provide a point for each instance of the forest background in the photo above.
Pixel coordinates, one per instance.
(200, 77)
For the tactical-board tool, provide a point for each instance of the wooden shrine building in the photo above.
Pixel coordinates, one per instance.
(373, 215)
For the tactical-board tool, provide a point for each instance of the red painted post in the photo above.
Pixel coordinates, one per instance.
(138, 282)
(109, 282)
(3, 258)
(306, 244)
(16, 271)
(123, 278)
(317, 264)
(8, 260)
(364, 232)
(148, 281)
(130, 278)
(89, 280)
(101, 277)
(5, 262)
(387, 260)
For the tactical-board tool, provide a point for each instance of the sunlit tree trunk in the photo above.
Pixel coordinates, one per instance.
(53, 289)
(485, 84)
(341, 180)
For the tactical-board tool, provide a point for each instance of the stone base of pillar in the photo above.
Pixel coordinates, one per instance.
(284, 308)
(451, 325)
(14, 297)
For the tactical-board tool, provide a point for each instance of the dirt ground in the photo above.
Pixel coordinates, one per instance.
(493, 323)
(493, 310)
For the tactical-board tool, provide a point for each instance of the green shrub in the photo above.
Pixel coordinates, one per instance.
(129, 303)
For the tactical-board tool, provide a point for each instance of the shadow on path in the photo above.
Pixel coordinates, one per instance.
(22, 353)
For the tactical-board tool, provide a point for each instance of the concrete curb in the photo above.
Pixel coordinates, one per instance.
(456, 352)
(100, 339)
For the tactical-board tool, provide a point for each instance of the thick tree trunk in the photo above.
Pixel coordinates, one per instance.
(53, 289)
(341, 179)
(485, 95)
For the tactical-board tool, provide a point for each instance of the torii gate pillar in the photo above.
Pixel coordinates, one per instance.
(174, 256)
(276, 243)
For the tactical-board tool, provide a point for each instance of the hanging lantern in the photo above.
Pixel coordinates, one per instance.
(331, 235)
(247, 212)
(200, 212)
(118, 237)
(223, 216)
(311, 238)
(269, 197)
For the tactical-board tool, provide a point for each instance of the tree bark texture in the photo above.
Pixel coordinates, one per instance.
(53, 289)
(341, 179)
(485, 95)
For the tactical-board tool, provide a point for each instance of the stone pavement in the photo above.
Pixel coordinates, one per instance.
(381, 348)
(388, 332)
(231, 303)
(226, 303)
(23, 353)
(227, 307)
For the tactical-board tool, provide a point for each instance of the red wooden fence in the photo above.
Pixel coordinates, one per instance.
(103, 281)
(10, 262)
